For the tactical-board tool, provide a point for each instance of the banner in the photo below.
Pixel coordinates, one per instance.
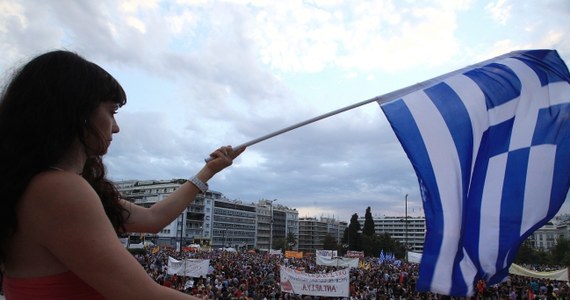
(414, 257)
(275, 252)
(560, 275)
(358, 254)
(351, 262)
(294, 254)
(188, 267)
(328, 253)
(333, 284)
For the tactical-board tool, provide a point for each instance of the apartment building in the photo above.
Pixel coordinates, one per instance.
(546, 237)
(411, 233)
(213, 220)
(312, 232)
(194, 225)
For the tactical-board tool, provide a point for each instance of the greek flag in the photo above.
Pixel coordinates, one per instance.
(382, 257)
(490, 145)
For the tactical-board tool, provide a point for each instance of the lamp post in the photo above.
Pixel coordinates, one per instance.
(406, 229)
(181, 231)
(271, 224)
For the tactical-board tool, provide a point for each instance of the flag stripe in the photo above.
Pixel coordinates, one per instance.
(491, 203)
(499, 84)
(454, 114)
(430, 123)
(538, 185)
(512, 200)
(406, 126)
(534, 97)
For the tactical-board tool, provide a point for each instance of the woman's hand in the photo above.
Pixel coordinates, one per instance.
(220, 159)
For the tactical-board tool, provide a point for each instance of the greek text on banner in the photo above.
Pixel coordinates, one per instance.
(333, 284)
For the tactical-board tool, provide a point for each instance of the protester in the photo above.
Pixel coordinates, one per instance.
(255, 276)
(59, 215)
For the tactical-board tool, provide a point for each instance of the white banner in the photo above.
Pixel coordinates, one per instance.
(275, 252)
(414, 257)
(334, 284)
(337, 261)
(560, 275)
(329, 253)
(188, 267)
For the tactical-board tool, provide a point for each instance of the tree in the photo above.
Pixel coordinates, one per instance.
(291, 240)
(329, 242)
(371, 245)
(368, 228)
(353, 234)
(280, 243)
(388, 244)
(526, 254)
(560, 254)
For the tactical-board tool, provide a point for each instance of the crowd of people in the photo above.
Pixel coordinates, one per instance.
(245, 275)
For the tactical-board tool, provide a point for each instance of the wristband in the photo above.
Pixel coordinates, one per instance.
(202, 186)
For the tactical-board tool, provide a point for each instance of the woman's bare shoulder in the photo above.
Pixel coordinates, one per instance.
(59, 200)
(52, 188)
(54, 204)
(57, 181)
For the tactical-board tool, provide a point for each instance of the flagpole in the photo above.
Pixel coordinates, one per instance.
(380, 99)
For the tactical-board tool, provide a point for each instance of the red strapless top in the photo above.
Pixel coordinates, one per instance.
(60, 286)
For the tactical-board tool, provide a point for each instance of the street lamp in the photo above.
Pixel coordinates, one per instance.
(406, 229)
(271, 224)
(182, 231)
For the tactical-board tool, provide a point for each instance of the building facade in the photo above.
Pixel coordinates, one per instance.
(312, 232)
(234, 224)
(275, 222)
(411, 233)
(212, 220)
(547, 236)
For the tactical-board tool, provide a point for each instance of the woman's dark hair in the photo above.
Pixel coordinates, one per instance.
(43, 110)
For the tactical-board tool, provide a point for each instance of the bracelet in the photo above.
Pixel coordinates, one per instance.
(202, 186)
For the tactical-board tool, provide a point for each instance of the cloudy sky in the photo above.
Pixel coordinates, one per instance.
(200, 74)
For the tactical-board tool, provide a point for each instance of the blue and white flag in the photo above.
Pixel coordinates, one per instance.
(382, 257)
(490, 145)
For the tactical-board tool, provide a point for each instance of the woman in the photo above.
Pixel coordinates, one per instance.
(59, 215)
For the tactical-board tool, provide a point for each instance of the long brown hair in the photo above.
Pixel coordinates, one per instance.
(43, 110)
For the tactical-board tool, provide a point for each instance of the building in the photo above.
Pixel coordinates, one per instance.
(275, 222)
(312, 232)
(194, 225)
(411, 233)
(292, 228)
(335, 228)
(212, 220)
(234, 224)
(546, 237)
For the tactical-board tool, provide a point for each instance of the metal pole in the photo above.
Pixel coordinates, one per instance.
(348, 237)
(271, 224)
(181, 232)
(406, 230)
